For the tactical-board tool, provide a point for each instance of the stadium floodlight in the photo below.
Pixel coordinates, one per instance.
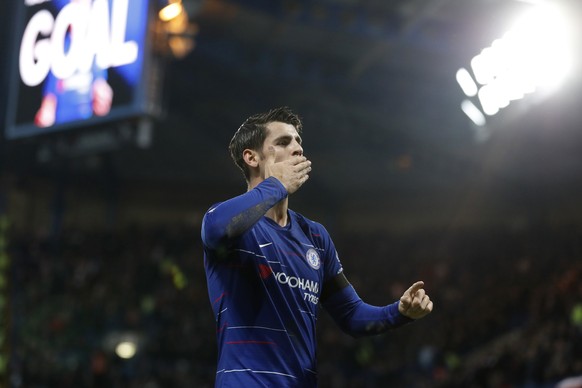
(466, 82)
(485, 65)
(473, 113)
(543, 39)
(488, 99)
(536, 54)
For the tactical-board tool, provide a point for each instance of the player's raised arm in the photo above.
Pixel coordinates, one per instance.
(233, 217)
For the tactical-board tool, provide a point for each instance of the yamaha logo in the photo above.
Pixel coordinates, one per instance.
(313, 258)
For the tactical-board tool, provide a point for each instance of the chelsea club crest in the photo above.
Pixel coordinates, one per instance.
(313, 258)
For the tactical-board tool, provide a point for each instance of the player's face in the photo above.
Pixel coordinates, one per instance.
(284, 139)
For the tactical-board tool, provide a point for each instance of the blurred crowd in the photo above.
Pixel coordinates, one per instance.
(508, 309)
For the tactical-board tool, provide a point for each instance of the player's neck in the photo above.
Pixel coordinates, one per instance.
(278, 213)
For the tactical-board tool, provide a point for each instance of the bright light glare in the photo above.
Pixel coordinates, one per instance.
(466, 82)
(473, 113)
(485, 65)
(126, 349)
(543, 38)
(170, 11)
(536, 54)
(532, 1)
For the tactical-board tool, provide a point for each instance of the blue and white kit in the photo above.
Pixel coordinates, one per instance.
(265, 282)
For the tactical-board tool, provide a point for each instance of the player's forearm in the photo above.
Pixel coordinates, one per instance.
(361, 319)
(233, 217)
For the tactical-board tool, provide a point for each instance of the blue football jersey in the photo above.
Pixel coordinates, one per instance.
(264, 286)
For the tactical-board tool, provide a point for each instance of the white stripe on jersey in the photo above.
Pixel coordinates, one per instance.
(220, 312)
(252, 253)
(255, 371)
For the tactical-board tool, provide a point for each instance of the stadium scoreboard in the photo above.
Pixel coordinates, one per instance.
(78, 63)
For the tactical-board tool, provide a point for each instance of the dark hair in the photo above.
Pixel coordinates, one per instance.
(253, 132)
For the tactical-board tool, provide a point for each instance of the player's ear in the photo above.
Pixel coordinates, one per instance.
(251, 157)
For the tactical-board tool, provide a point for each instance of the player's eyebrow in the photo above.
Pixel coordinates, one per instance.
(288, 138)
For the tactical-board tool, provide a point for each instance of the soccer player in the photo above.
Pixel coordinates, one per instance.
(268, 267)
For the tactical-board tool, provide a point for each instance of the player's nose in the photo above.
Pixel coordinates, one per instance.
(297, 149)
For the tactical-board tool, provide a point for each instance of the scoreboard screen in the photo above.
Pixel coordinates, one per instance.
(77, 63)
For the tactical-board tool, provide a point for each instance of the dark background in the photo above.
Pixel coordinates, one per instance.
(400, 177)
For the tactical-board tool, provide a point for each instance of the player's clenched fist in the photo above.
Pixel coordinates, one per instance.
(415, 303)
(292, 172)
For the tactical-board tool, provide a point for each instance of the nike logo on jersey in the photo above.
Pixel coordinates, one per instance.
(264, 245)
